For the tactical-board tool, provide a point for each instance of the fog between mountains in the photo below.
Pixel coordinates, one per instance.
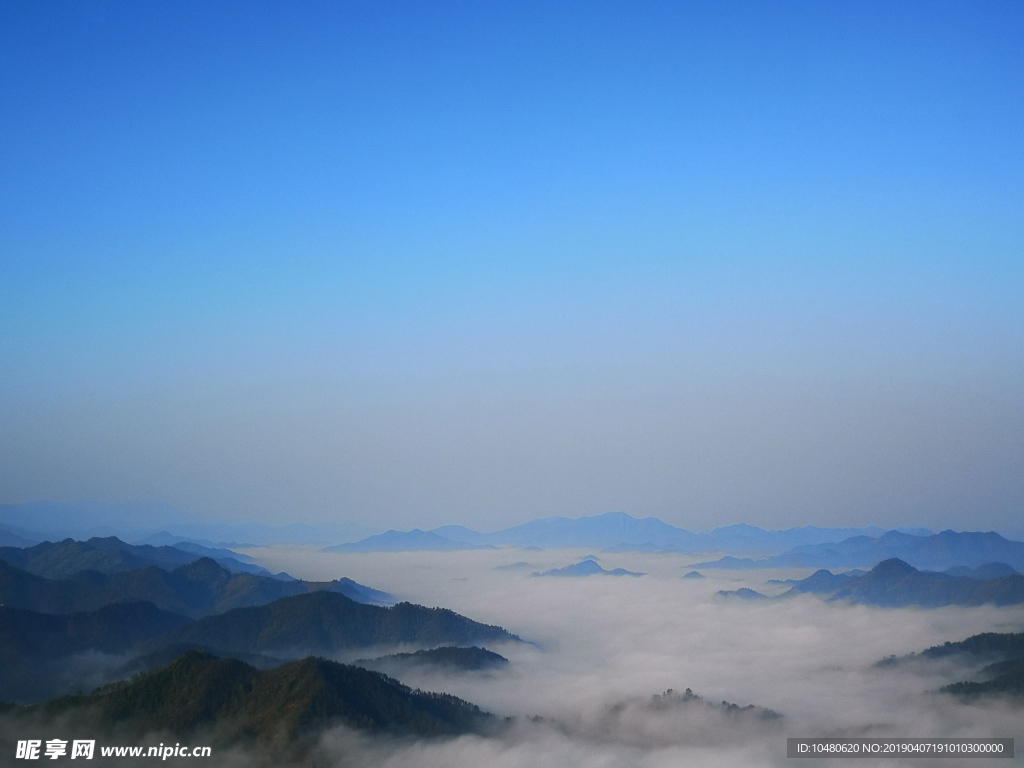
(601, 641)
(604, 646)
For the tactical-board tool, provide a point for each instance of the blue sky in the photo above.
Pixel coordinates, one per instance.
(409, 264)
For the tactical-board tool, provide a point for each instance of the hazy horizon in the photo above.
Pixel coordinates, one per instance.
(137, 521)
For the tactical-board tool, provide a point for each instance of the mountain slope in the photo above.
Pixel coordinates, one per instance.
(1003, 677)
(20, 589)
(37, 648)
(987, 645)
(326, 622)
(201, 691)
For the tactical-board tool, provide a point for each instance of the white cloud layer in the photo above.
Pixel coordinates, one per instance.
(603, 646)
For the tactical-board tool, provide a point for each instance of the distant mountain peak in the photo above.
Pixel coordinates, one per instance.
(587, 567)
(893, 566)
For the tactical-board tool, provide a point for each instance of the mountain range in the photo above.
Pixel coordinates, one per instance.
(197, 588)
(612, 532)
(46, 654)
(940, 551)
(894, 583)
(57, 559)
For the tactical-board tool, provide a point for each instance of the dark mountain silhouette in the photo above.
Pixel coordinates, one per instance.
(239, 703)
(471, 659)
(587, 567)
(60, 559)
(41, 651)
(940, 551)
(35, 646)
(111, 629)
(987, 646)
(20, 589)
(1006, 683)
(200, 547)
(1004, 676)
(197, 588)
(57, 560)
(327, 622)
(694, 575)
(671, 700)
(894, 583)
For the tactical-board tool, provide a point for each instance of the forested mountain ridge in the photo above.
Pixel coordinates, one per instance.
(231, 702)
(325, 622)
(197, 588)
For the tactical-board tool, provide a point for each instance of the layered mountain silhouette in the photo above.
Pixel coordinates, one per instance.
(235, 702)
(894, 583)
(46, 654)
(937, 552)
(56, 560)
(197, 588)
(613, 532)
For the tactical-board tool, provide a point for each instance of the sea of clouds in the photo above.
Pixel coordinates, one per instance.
(599, 648)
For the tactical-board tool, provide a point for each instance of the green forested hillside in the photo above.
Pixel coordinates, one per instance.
(239, 702)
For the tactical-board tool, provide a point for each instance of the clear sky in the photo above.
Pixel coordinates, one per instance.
(406, 263)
